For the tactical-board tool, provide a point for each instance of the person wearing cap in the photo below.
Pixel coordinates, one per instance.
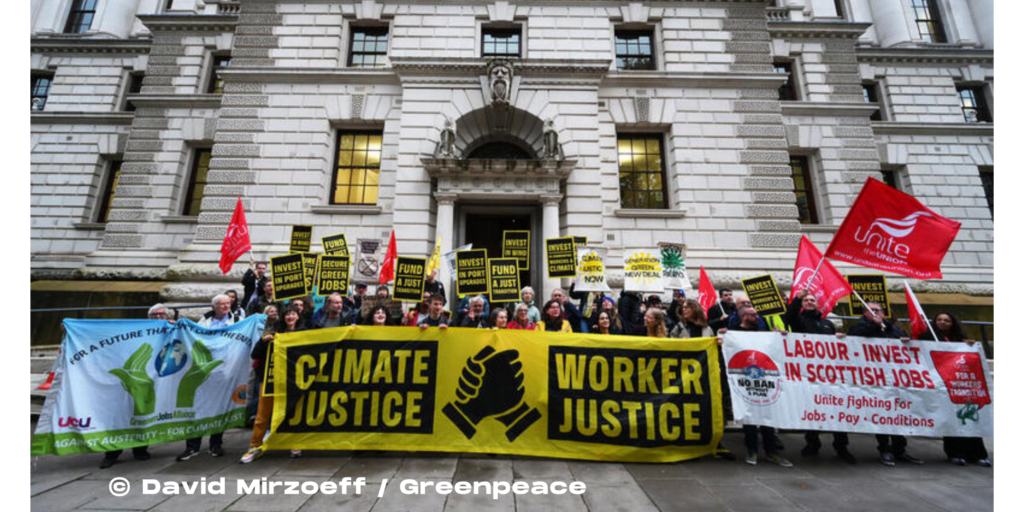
(675, 310)
(355, 301)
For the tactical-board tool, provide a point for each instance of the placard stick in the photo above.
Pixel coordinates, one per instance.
(815, 274)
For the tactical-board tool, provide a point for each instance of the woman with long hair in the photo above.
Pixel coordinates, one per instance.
(272, 319)
(521, 320)
(607, 305)
(960, 450)
(499, 318)
(692, 322)
(654, 321)
(552, 318)
(605, 324)
(290, 322)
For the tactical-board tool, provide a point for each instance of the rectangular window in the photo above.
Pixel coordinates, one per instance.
(642, 171)
(972, 102)
(80, 17)
(804, 190)
(634, 49)
(889, 178)
(108, 191)
(40, 90)
(501, 42)
(929, 23)
(357, 168)
(134, 87)
(216, 81)
(787, 91)
(871, 96)
(197, 182)
(369, 48)
(988, 183)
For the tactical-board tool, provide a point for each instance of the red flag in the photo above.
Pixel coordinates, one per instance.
(891, 231)
(918, 320)
(387, 269)
(829, 285)
(706, 292)
(236, 240)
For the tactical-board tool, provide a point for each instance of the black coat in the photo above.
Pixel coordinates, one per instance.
(629, 311)
(715, 315)
(810, 322)
(252, 285)
(869, 329)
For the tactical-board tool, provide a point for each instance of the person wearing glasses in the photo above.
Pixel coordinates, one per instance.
(874, 325)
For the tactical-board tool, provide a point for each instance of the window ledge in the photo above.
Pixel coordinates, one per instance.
(90, 226)
(346, 209)
(179, 219)
(818, 228)
(650, 214)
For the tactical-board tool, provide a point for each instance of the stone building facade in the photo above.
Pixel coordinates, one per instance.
(762, 119)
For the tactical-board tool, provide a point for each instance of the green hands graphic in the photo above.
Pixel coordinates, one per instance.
(202, 366)
(136, 382)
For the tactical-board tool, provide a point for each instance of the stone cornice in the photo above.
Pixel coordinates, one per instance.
(189, 22)
(124, 118)
(176, 100)
(655, 79)
(929, 55)
(817, 29)
(897, 128)
(368, 76)
(90, 45)
(589, 68)
(815, 108)
(514, 169)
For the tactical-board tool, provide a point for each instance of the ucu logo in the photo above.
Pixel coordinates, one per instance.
(65, 422)
(882, 234)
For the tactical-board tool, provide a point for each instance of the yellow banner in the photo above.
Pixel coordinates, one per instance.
(576, 396)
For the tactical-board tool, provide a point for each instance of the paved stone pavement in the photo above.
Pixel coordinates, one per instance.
(823, 483)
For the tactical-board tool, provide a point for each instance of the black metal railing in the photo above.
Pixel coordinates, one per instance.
(986, 342)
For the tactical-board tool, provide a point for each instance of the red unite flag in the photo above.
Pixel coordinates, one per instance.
(706, 292)
(236, 240)
(828, 286)
(387, 269)
(891, 231)
(918, 320)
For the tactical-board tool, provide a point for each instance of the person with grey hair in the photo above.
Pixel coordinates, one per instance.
(220, 314)
(528, 296)
(475, 317)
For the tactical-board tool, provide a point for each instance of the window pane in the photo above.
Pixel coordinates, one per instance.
(369, 46)
(197, 182)
(634, 50)
(641, 176)
(357, 169)
(803, 190)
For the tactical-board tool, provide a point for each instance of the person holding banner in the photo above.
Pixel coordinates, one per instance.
(960, 450)
(749, 322)
(378, 317)
(569, 310)
(802, 316)
(604, 324)
(874, 325)
(237, 311)
(253, 389)
(436, 317)
(332, 313)
(421, 309)
(528, 295)
(522, 321)
(220, 314)
(552, 319)
(465, 306)
(475, 317)
(654, 322)
(261, 352)
(499, 318)
(607, 306)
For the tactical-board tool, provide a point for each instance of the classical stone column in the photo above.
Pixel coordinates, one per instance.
(891, 23)
(982, 14)
(963, 20)
(550, 216)
(446, 230)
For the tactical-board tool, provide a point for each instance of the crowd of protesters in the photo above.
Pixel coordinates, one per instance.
(596, 313)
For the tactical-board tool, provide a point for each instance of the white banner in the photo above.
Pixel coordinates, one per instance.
(590, 271)
(643, 272)
(673, 265)
(870, 385)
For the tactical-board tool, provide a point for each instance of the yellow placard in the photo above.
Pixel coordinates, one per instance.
(577, 396)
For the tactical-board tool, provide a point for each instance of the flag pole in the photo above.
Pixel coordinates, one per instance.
(815, 274)
(918, 304)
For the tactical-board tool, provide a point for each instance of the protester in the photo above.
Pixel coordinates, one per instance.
(748, 322)
(584, 298)
(304, 305)
(604, 324)
(422, 308)
(741, 301)
(718, 315)
(674, 312)
(570, 311)
(378, 316)
(332, 313)
(253, 388)
(291, 322)
(220, 314)
(499, 318)
(528, 295)
(252, 282)
(355, 301)
(433, 286)
(475, 317)
(802, 316)
(265, 299)
(436, 316)
(630, 311)
(464, 307)
(156, 312)
(959, 450)
(552, 319)
(237, 311)
(522, 320)
(873, 325)
(383, 291)
(654, 323)
(615, 323)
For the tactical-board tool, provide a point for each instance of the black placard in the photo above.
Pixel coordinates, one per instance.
(872, 288)
(289, 276)
(409, 278)
(332, 273)
(471, 272)
(302, 236)
(516, 244)
(335, 245)
(309, 269)
(764, 295)
(504, 276)
(561, 257)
